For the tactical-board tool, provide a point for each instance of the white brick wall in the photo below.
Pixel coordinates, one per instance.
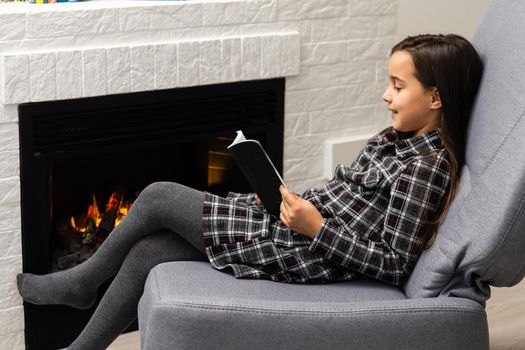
(333, 53)
(43, 75)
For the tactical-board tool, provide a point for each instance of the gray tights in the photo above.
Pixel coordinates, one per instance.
(163, 224)
(118, 307)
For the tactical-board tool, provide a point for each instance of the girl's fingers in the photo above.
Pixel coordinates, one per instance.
(285, 205)
(284, 191)
(287, 196)
(258, 201)
(284, 213)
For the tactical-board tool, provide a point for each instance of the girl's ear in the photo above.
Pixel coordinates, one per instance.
(435, 100)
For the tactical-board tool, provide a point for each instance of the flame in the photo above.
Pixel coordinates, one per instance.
(122, 212)
(93, 211)
(74, 225)
(114, 202)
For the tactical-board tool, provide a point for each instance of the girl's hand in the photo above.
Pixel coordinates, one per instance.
(299, 214)
(258, 201)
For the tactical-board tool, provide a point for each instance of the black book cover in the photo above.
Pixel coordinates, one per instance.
(259, 170)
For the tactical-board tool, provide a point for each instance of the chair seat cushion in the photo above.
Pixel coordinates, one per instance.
(190, 305)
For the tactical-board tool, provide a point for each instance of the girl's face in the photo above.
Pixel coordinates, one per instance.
(413, 108)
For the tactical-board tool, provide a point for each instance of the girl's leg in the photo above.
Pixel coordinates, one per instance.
(161, 205)
(118, 308)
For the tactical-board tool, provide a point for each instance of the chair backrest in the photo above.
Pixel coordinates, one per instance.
(482, 240)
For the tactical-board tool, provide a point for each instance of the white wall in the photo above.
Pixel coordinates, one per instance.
(335, 92)
(443, 16)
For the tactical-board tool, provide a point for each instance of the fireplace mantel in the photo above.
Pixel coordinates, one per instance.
(72, 73)
(96, 69)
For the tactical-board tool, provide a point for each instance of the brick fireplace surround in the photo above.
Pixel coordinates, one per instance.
(333, 53)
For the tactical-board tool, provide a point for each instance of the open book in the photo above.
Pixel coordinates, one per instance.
(259, 170)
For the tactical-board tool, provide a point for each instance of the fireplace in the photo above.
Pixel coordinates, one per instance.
(88, 158)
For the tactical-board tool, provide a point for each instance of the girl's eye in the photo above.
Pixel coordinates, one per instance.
(397, 88)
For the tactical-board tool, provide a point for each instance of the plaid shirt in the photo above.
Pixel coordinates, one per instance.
(372, 212)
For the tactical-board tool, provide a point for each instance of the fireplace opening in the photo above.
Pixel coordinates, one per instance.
(85, 207)
(83, 162)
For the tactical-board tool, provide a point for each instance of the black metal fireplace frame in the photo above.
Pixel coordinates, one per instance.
(45, 134)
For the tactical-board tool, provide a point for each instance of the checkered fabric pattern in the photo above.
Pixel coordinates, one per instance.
(372, 210)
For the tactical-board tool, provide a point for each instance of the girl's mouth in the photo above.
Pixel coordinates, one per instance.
(394, 113)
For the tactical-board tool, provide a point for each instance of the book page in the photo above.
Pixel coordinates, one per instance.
(238, 139)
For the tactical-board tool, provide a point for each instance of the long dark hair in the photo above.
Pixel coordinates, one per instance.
(451, 64)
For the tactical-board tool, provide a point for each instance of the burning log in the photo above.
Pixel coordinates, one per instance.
(80, 236)
(107, 223)
(112, 209)
(68, 239)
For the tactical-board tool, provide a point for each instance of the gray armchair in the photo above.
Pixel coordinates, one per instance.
(189, 305)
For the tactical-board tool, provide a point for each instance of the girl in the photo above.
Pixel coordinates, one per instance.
(372, 220)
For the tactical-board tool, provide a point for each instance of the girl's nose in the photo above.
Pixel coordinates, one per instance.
(386, 96)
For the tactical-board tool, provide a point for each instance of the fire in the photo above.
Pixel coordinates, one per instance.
(123, 211)
(89, 224)
(93, 212)
(80, 236)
